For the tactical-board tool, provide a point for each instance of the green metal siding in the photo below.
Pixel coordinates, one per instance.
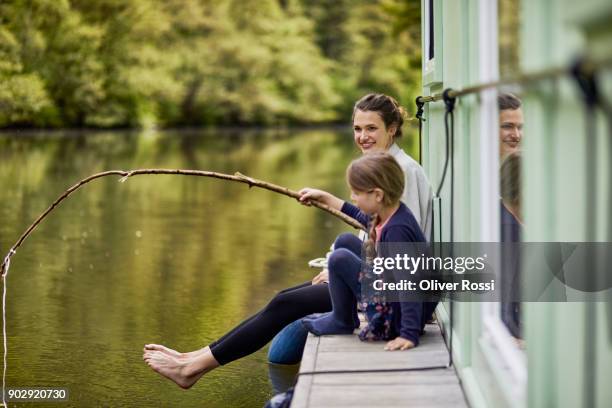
(554, 190)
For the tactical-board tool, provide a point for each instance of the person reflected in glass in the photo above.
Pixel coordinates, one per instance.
(511, 226)
(510, 124)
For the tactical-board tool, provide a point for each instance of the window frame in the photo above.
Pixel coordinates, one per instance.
(432, 67)
(498, 346)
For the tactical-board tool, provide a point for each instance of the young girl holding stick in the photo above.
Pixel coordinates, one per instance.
(377, 182)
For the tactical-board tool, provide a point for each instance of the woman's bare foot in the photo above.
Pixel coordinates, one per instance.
(174, 353)
(183, 372)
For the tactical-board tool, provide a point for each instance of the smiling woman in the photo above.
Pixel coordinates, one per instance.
(377, 122)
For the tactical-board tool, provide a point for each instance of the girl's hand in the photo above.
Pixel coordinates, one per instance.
(399, 343)
(308, 195)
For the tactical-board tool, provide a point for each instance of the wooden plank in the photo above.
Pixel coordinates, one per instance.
(436, 388)
(433, 377)
(404, 395)
(352, 343)
(341, 360)
(303, 388)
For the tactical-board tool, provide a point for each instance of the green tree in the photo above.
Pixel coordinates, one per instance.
(108, 63)
(22, 94)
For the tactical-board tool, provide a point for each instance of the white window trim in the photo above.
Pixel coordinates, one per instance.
(430, 65)
(499, 336)
(503, 347)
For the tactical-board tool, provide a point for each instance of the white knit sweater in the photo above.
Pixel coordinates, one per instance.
(417, 191)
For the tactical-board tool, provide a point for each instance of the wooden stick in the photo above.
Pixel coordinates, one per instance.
(127, 174)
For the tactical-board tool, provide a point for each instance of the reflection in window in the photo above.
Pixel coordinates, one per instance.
(511, 225)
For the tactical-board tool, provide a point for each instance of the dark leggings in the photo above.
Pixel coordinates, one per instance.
(285, 307)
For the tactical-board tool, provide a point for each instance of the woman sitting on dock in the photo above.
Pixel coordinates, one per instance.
(377, 123)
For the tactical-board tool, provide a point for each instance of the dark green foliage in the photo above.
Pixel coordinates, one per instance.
(115, 63)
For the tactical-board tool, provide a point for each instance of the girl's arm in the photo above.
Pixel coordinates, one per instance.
(307, 195)
(354, 212)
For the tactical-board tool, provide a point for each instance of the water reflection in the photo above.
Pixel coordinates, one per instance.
(169, 259)
(282, 377)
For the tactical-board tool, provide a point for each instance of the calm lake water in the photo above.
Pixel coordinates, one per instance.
(170, 259)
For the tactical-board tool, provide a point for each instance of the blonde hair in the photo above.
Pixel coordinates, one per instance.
(376, 170)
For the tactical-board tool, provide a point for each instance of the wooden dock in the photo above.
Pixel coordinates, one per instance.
(360, 385)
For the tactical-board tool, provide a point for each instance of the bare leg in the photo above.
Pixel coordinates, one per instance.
(184, 371)
(196, 353)
(244, 339)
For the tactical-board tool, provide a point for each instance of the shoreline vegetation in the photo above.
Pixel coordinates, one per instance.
(103, 64)
(282, 128)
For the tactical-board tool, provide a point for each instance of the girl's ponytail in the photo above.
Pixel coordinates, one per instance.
(370, 243)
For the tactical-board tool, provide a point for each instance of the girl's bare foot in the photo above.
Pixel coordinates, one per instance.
(174, 353)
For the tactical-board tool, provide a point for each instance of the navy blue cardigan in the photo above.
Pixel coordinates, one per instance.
(401, 227)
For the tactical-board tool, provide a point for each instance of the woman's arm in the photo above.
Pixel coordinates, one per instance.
(307, 195)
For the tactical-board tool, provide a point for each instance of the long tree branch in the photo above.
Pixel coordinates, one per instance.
(126, 174)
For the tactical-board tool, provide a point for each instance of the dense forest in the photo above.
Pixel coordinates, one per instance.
(140, 63)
